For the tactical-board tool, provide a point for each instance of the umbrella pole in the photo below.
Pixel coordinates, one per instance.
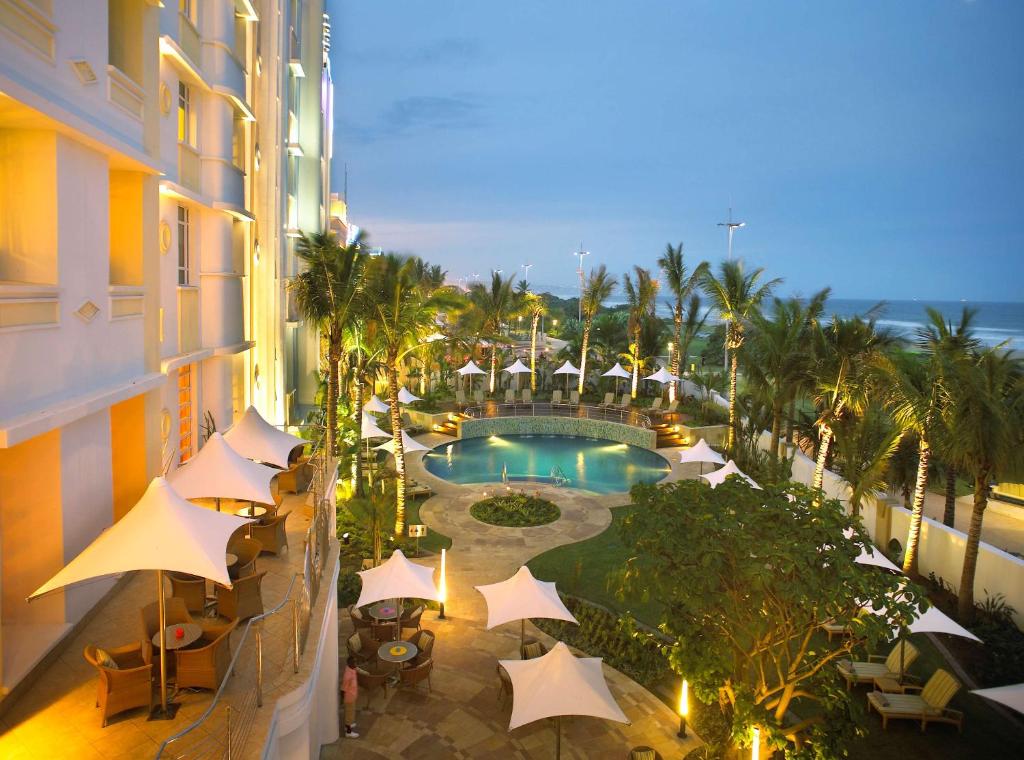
(522, 638)
(218, 504)
(162, 621)
(558, 737)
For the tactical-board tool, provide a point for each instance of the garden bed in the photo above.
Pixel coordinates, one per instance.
(515, 510)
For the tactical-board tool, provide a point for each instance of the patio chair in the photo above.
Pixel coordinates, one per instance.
(643, 753)
(928, 707)
(372, 678)
(510, 396)
(175, 613)
(556, 397)
(655, 406)
(424, 641)
(189, 588)
(247, 550)
(243, 600)
(125, 679)
(354, 643)
(409, 426)
(384, 632)
(527, 396)
(417, 674)
(624, 402)
(295, 479)
(478, 395)
(359, 620)
(608, 399)
(877, 666)
(271, 534)
(574, 397)
(412, 619)
(204, 667)
(669, 410)
(504, 684)
(460, 398)
(415, 488)
(532, 650)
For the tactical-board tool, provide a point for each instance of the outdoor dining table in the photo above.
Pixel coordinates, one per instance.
(384, 611)
(252, 511)
(397, 651)
(190, 635)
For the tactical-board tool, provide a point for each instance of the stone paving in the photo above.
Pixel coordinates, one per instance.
(461, 716)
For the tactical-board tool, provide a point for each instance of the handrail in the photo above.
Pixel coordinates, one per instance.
(546, 409)
(231, 669)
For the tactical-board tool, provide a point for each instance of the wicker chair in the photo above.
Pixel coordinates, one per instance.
(355, 647)
(175, 613)
(243, 600)
(504, 684)
(643, 753)
(358, 619)
(369, 643)
(384, 631)
(424, 642)
(371, 679)
(271, 534)
(412, 619)
(205, 667)
(247, 550)
(416, 674)
(532, 650)
(189, 588)
(128, 685)
(295, 479)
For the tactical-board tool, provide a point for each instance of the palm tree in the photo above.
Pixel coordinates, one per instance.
(681, 283)
(986, 410)
(326, 291)
(864, 444)
(404, 312)
(535, 306)
(641, 296)
(597, 289)
(736, 294)
(493, 305)
(694, 317)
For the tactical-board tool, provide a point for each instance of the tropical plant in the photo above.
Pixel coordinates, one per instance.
(597, 289)
(535, 306)
(325, 291)
(736, 294)
(865, 443)
(493, 305)
(641, 297)
(681, 283)
(694, 317)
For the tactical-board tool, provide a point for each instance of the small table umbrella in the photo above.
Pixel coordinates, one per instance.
(617, 371)
(397, 578)
(520, 597)
(662, 376)
(470, 369)
(1011, 696)
(717, 477)
(405, 397)
(701, 452)
(162, 532)
(219, 472)
(559, 684)
(375, 405)
(567, 369)
(517, 369)
(255, 438)
(409, 444)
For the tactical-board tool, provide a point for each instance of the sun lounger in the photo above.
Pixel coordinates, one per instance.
(574, 397)
(556, 397)
(877, 666)
(609, 398)
(415, 488)
(478, 396)
(510, 396)
(527, 396)
(655, 406)
(460, 398)
(623, 403)
(928, 707)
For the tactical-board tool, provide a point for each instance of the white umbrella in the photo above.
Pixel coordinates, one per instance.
(409, 444)
(701, 452)
(375, 405)
(717, 477)
(397, 578)
(662, 376)
(255, 438)
(617, 371)
(161, 532)
(517, 369)
(559, 684)
(520, 597)
(219, 472)
(405, 397)
(1011, 696)
(871, 555)
(369, 428)
(470, 369)
(934, 620)
(567, 369)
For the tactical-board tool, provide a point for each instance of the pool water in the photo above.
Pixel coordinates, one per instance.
(592, 464)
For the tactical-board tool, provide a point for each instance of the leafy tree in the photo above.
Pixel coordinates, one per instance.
(641, 295)
(746, 578)
(493, 306)
(681, 283)
(535, 306)
(865, 443)
(597, 289)
(694, 317)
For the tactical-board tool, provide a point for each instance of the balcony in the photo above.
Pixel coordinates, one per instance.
(189, 167)
(295, 54)
(223, 71)
(188, 39)
(188, 319)
(223, 323)
(224, 183)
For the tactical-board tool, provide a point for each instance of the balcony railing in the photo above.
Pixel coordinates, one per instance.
(188, 319)
(189, 167)
(545, 409)
(188, 39)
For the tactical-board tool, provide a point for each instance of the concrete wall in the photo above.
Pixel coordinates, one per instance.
(612, 431)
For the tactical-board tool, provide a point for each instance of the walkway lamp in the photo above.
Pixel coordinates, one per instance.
(443, 586)
(684, 708)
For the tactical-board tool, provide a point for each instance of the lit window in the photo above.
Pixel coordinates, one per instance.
(185, 414)
(184, 254)
(186, 115)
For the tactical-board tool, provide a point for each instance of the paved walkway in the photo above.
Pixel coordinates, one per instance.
(461, 717)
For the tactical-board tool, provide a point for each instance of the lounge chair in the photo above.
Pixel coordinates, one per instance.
(271, 534)
(624, 402)
(478, 396)
(609, 398)
(460, 398)
(125, 678)
(510, 396)
(527, 396)
(204, 667)
(415, 488)
(669, 410)
(928, 707)
(409, 426)
(416, 674)
(243, 600)
(655, 406)
(556, 397)
(877, 666)
(574, 397)
(361, 652)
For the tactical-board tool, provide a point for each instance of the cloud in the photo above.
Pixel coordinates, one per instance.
(417, 114)
(451, 51)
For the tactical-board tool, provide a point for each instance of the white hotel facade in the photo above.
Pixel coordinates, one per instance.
(157, 161)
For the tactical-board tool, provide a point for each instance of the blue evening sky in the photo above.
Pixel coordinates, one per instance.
(874, 146)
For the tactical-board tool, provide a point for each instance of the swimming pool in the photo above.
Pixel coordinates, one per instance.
(592, 464)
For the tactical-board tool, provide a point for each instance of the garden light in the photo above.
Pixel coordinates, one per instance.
(684, 708)
(443, 586)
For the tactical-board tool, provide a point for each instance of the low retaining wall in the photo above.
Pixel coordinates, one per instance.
(645, 438)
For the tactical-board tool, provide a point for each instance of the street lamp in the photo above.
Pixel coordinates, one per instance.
(731, 226)
(526, 274)
(581, 253)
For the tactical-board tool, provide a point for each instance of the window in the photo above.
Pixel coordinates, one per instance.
(187, 8)
(238, 144)
(186, 115)
(184, 254)
(125, 37)
(184, 414)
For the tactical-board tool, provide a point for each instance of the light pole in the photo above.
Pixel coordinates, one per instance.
(731, 226)
(581, 253)
(526, 274)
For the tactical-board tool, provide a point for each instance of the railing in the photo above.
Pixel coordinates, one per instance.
(545, 409)
(189, 167)
(278, 641)
(188, 39)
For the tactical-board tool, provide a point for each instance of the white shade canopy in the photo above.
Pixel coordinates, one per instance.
(523, 596)
(470, 369)
(409, 444)
(375, 405)
(718, 477)
(701, 452)
(567, 369)
(369, 428)
(934, 620)
(517, 369)
(616, 371)
(662, 376)
(559, 684)
(397, 578)
(405, 397)
(1011, 696)
(219, 472)
(871, 555)
(161, 532)
(255, 438)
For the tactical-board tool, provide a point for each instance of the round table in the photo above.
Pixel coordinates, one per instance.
(384, 611)
(397, 651)
(192, 634)
(256, 512)
(230, 559)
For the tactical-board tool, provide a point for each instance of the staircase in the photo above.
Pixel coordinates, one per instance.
(667, 435)
(450, 426)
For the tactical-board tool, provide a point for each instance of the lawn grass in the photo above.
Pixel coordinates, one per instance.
(434, 542)
(583, 570)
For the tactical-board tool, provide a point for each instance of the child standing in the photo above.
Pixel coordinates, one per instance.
(350, 690)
